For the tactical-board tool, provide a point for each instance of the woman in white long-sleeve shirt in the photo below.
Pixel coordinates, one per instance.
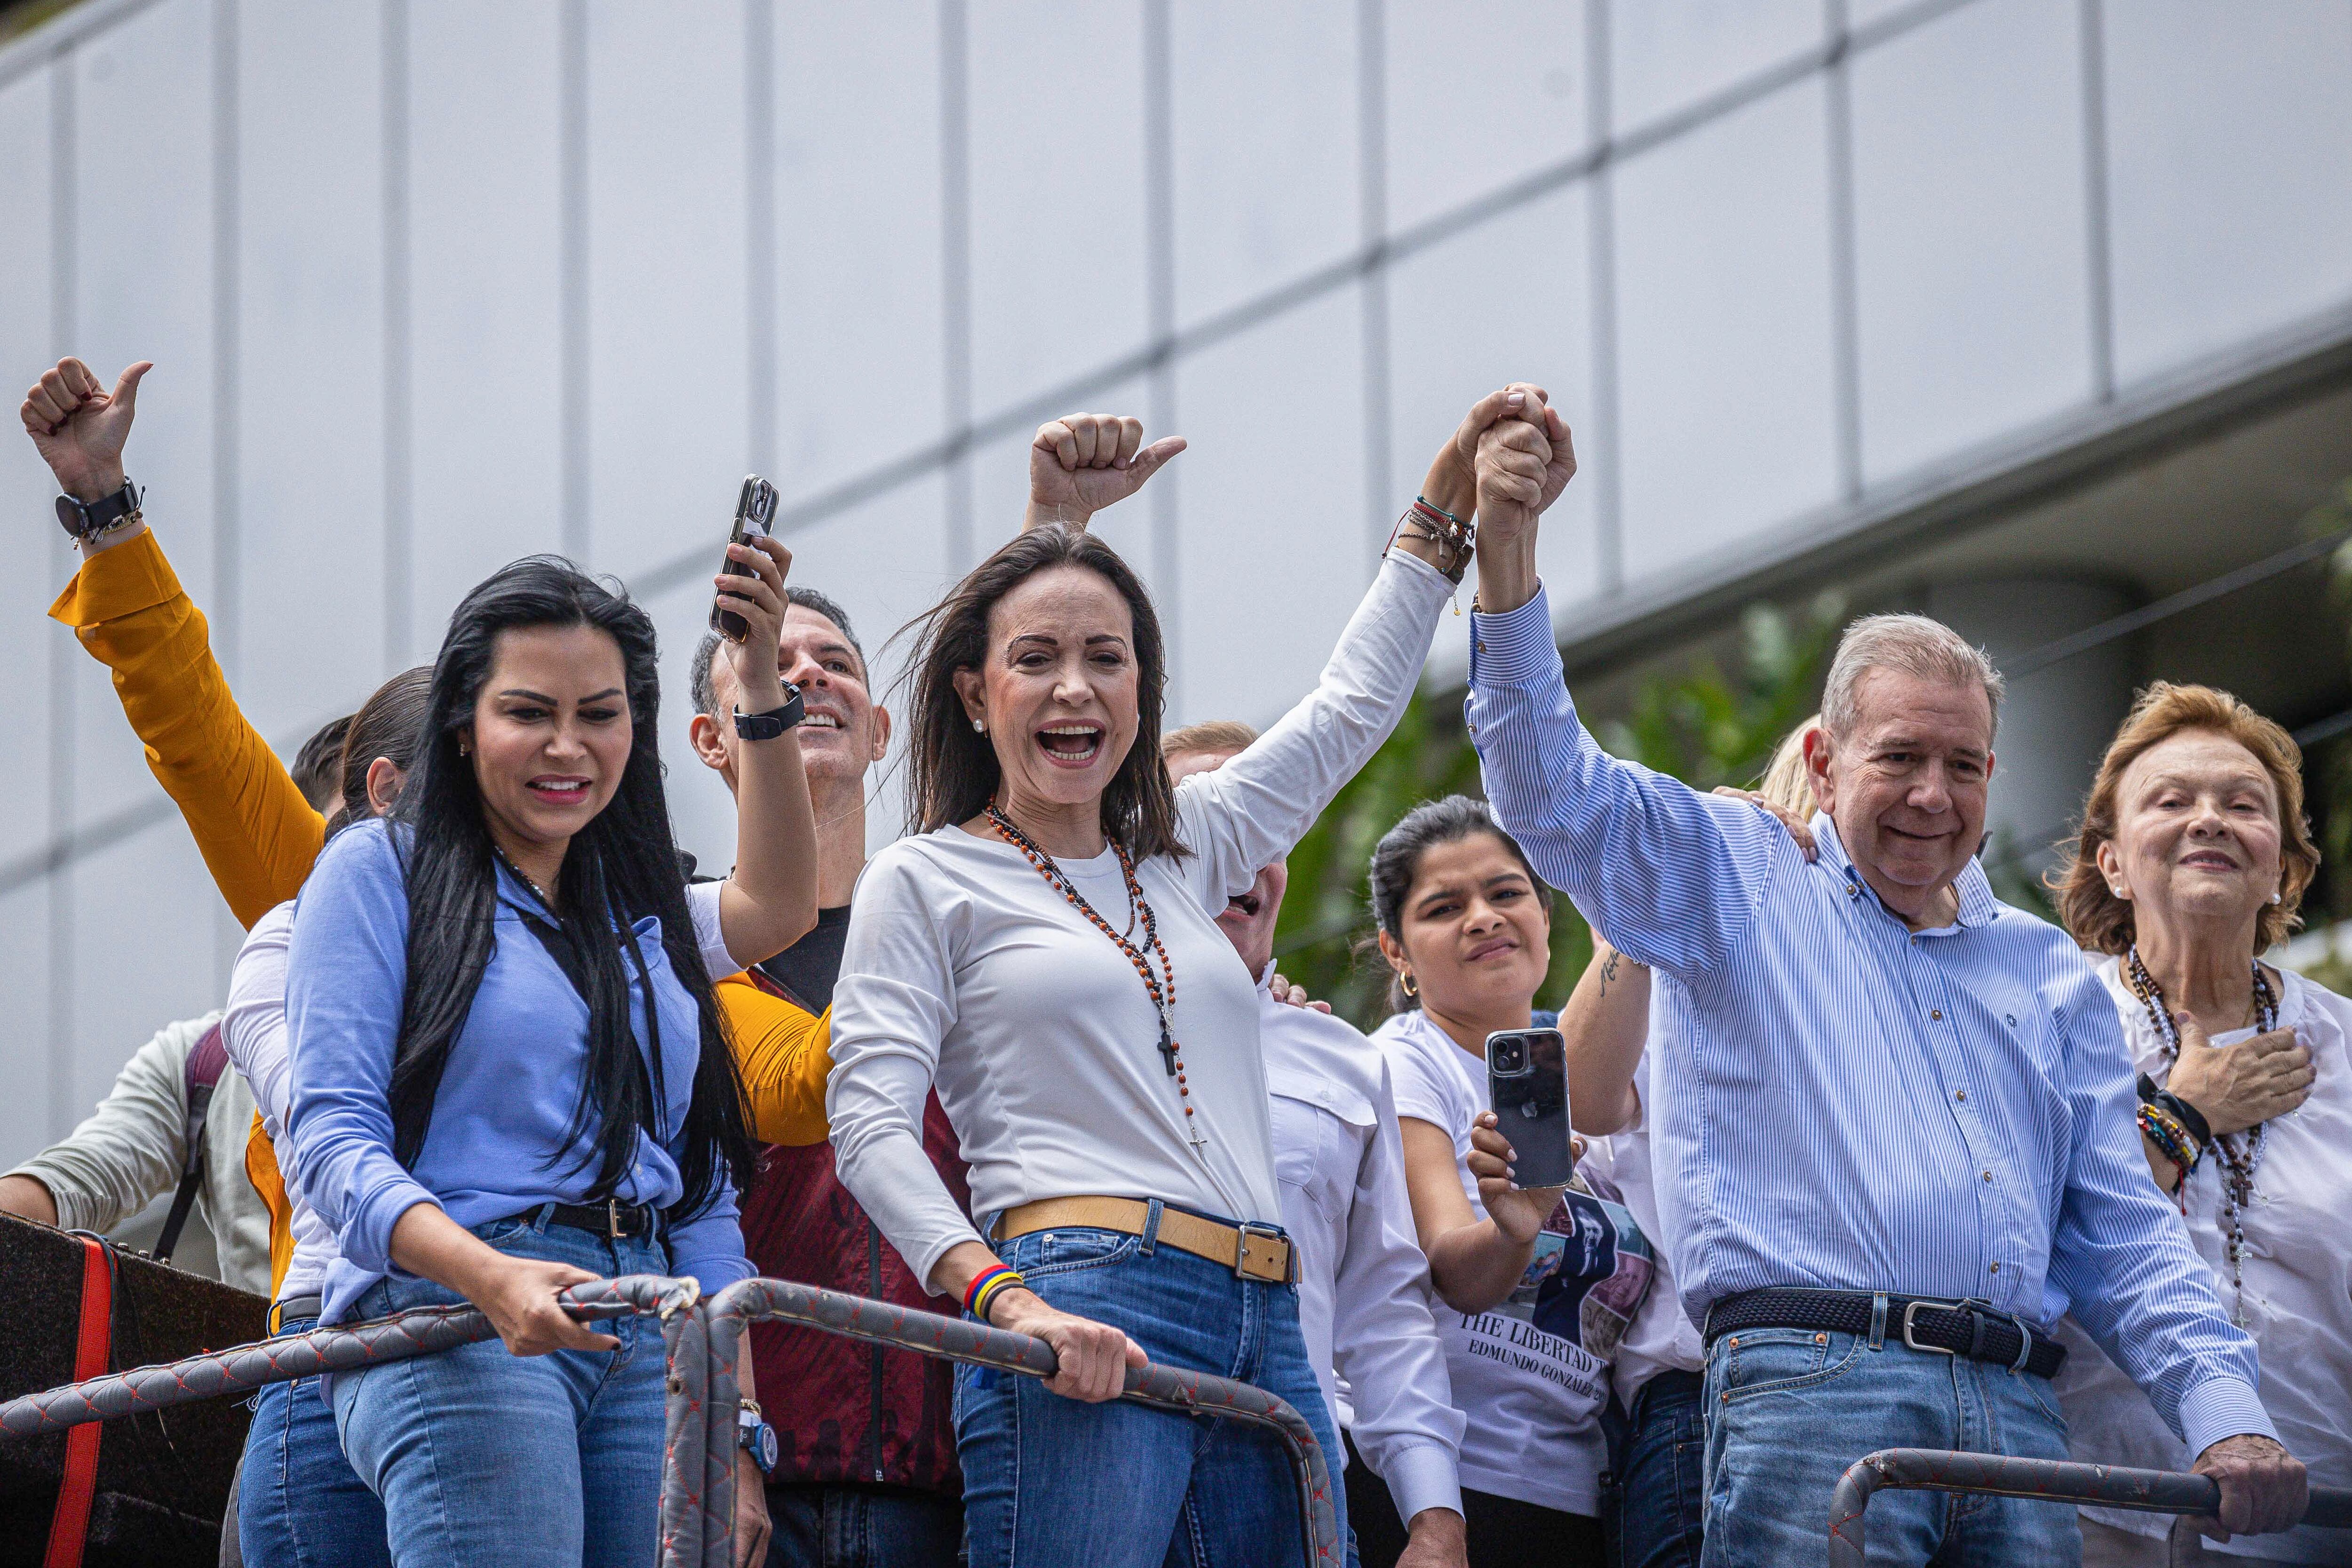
(1041, 949)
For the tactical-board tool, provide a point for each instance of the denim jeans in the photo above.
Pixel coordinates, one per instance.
(1789, 1409)
(487, 1458)
(862, 1527)
(1656, 1500)
(1050, 1483)
(299, 1504)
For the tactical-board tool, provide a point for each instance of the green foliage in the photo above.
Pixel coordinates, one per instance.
(1701, 726)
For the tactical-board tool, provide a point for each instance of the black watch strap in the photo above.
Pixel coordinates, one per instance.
(775, 721)
(83, 520)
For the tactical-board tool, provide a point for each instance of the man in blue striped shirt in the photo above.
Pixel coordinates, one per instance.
(1895, 1136)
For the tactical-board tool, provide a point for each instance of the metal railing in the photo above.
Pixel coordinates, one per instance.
(2044, 1481)
(702, 1342)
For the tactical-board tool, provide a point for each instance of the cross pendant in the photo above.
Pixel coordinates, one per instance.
(1168, 1049)
(1197, 1141)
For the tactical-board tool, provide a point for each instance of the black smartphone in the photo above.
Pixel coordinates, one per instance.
(1526, 1082)
(755, 516)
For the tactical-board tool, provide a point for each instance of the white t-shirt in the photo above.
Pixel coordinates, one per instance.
(1661, 1338)
(2297, 1270)
(253, 1031)
(964, 968)
(1364, 1302)
(1531, 1376)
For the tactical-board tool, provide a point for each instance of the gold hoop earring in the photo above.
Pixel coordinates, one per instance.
(1404, 983)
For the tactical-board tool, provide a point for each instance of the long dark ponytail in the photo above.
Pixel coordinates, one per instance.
(622, 866)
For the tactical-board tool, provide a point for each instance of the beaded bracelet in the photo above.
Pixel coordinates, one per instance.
(986, 1286)
(2173, 1141)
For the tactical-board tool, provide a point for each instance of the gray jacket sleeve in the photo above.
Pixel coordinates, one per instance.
(131, 1147)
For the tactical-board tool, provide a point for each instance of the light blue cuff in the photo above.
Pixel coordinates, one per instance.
(2222, 1407)
(1421, 1475)
(1514, 649)
(368, 1242)
(714, 1273)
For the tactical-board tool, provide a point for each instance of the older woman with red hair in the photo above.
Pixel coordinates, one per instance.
(2192, 858)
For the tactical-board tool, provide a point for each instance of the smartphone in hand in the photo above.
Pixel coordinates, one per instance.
(755, 516)
(1527, 1083)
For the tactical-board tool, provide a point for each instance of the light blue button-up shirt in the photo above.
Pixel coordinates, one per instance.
(1848, 1104)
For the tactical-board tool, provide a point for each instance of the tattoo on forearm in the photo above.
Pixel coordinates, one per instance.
(1608, 972)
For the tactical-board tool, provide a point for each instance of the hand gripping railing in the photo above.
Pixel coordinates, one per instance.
(423, 1330)
(2047, 1480)
(1189, 1392)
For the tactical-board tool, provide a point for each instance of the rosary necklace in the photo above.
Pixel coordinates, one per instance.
(2238, 1164)
(1163, 995)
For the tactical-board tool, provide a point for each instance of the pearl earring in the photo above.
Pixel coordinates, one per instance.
(979, 728)
(2278, 898)
(2119, 889)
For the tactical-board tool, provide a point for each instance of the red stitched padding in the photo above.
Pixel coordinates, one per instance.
(70, 1524)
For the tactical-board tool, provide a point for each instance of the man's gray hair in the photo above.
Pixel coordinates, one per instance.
(1914, 645)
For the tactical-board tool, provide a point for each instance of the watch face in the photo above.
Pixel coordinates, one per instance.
(762, 1441)
(69, 514)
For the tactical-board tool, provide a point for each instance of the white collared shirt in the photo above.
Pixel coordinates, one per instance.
(2298, 1282)
(1363, 1284)
(1661, 1338)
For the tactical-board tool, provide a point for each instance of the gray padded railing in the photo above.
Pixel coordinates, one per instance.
(2045, 1480)
(879, 1323)
(702, 1342)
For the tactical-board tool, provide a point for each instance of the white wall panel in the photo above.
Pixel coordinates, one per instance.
(858, 240)
(310, 420)
(1973, 283)
(29, 1120)
(668, 257)
(29, 639)
(1452, 341)
(485, 310)
(1275, 532)
(1056, 167)
(150, 890)
(143, 172)
(2229, 139)
(1480, 92)
(1268, 175)
(1724, 330)
(1666, 57)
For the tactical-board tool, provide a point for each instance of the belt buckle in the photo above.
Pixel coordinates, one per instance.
(613, 1231)
(1911, 1310)
(1269, 1264)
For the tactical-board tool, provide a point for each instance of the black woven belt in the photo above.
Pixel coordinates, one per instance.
(1971, 1329)
(611, 1219)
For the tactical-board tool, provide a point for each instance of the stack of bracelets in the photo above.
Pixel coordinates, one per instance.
(1453, 538)
(2175, 1126)
(986, 1286)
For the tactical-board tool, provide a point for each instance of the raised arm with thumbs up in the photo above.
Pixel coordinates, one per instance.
(79, 428)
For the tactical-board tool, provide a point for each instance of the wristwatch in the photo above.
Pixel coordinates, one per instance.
(775, 721)
(88, 521)
(755, 1437)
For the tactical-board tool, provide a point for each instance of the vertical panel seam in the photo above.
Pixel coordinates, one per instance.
(63, 303)
(1846, 345)
(577, 523)
(399, 454)
(1159, 282)
(1600, 239)
(955, 264)
(2098, 213)
(228, 568)
(763, 303)
(1372, 126)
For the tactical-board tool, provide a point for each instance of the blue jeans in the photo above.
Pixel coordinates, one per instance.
(299, 1502)
(1658, 1473)
(1789, 1409)
(483, 1458)
(1050, 1483)
(862, 1527)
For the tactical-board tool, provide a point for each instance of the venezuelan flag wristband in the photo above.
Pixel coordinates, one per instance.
(986, 1286)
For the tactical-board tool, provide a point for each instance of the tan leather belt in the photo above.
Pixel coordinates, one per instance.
(1254, 1252)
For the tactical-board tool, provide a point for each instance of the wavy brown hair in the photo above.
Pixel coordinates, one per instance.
(2102, 922)
(951, 769)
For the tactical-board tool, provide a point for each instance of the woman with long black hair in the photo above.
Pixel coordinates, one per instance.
(509, 1073)
(1042, 945)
